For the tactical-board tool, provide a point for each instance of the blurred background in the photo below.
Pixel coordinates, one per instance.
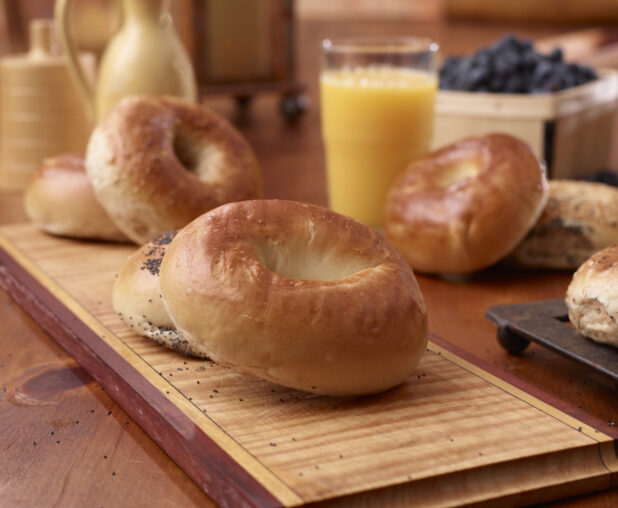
(203, 21)
(257, 61)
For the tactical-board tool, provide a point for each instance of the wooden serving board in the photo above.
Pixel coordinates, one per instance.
(454, 433)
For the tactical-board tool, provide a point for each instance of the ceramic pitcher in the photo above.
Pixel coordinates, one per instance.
(145, 56)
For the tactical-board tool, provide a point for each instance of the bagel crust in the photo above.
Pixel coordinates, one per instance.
(298, 295)
(136, 296)
(592, 297)
(59, 200)
(156, 163)
(579, 219)
(466, 206)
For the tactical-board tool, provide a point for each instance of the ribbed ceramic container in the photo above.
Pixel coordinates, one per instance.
(41, 113)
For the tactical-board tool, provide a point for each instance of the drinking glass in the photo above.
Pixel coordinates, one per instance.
(377, 106)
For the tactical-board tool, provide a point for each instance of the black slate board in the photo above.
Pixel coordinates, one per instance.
(547, 323)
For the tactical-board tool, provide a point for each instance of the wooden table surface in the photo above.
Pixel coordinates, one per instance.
(65, 442)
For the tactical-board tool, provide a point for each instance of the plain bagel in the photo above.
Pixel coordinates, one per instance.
(464, 207)
(59, 200)
(136, 296)
(156, 163)
(296, 294)
(592, 297)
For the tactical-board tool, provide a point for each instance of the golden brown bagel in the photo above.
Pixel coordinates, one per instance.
(156, 163)
(296, 294)
(592, 297)
(136, 296)
(464, 207)
(579, 219)
(59, 200)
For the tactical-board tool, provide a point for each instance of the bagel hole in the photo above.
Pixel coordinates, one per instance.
(457, 172)
(205, 160)
(297, 261)
(186, 151)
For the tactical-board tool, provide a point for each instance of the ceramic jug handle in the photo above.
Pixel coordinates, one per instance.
(61, 16)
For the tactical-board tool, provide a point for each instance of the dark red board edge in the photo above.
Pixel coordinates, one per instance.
(204, 461)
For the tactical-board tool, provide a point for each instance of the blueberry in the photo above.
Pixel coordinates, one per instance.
(541, 72)
(515, 84)
(590, 73)
(475, 78)
(606, 176)
(511, 65)
(449, 64)
(568, 78)
(556, 55)
(506, 63)
(555, 83)
(526, 46)
(530, 60)
(507, 43)
(496, 83)
(583, 74)
(483, 59)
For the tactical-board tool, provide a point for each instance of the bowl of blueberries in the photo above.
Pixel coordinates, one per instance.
(564, 111)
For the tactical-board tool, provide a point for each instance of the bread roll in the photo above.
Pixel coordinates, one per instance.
(592, 297)
(136, 297)
(580, 218)
(59, 200)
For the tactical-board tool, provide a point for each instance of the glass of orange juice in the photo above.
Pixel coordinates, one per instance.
(376, 105)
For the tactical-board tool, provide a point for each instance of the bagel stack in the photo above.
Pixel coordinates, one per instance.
(293, 293)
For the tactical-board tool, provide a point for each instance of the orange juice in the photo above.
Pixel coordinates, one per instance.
(375, 121)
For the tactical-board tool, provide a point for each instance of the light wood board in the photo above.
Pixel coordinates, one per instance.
(454, 433)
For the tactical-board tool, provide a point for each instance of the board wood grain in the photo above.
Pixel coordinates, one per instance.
(452, 432)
